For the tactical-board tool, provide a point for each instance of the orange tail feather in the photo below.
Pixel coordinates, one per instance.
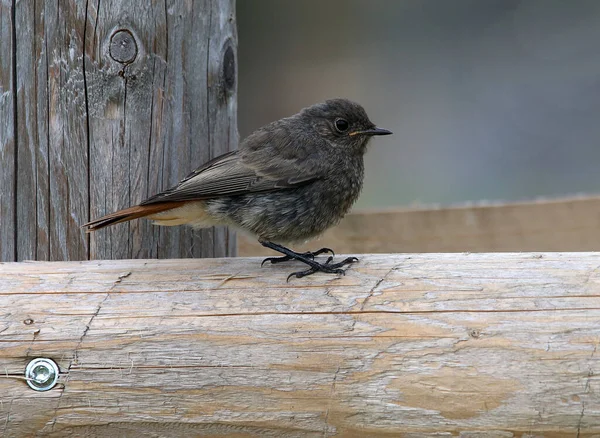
(129, 214)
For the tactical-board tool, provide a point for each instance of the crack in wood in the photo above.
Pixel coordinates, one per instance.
(371, 292)
(235, 276)
(86, 329)
(89, 324)
(76, 350)
(580, 419)
(165, 367)
(356, 312)
(331, 391)
(381, 280)
(54, 416)
(119, 279)
(587, 382)
(7, 418)
(591, 274)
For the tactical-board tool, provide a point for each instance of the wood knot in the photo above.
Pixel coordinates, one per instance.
(123, 47)
(28, 321)
(474, 333)
(229, 69)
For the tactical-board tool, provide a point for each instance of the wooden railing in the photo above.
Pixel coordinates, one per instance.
(464, 344)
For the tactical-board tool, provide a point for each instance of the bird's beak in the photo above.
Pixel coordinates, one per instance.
(372, 131)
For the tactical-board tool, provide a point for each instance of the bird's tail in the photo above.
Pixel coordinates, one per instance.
(129, 214)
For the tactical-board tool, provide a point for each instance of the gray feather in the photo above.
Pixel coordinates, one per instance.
(235, 174)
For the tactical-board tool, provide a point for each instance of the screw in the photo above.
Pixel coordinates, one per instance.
(41, 374)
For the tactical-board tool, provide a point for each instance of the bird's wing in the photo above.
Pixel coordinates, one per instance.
(235, 174)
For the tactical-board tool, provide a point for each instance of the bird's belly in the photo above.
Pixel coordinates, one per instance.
(291, 215)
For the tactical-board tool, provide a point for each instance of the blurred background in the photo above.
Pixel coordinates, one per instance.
(488, 99)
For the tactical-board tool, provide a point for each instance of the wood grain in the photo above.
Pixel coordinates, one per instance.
(470, 345)
(570, 224)
(7, 135)
(95, 133)
(157, 118)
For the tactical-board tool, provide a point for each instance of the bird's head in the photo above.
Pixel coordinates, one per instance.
(342, 123)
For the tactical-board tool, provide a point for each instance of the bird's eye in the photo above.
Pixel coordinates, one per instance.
(341, 125)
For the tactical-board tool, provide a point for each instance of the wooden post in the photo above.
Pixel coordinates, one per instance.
(470, 345)
(111, 102)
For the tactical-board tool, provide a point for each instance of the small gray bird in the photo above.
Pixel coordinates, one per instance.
(288, 182)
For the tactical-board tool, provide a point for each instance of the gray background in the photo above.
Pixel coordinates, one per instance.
(488, 99)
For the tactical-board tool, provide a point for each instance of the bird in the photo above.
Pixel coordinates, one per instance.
(287, 183)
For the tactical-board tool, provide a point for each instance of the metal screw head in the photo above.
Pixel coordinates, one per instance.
(41, 374)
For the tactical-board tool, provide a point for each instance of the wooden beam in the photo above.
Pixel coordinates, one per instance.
(571, 224)
(432, 344)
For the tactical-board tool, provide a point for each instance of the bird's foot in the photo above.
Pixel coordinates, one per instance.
(327, 267)
(309, 254)
(308, 259)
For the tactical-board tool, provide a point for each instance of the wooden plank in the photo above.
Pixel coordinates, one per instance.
(7, 135)
(26, 117)
(570, 224)
(156, 117)
(52, 164)
(33, 178)
(126, 118)
(68, 160)
(403, 345)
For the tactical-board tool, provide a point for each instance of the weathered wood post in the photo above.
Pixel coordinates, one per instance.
(101, 105)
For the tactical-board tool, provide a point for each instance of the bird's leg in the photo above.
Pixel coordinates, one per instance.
(307, 258)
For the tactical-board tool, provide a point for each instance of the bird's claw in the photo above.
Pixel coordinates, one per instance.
(309, 255)
(312, 270)
(326, 267)
(308, 259)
